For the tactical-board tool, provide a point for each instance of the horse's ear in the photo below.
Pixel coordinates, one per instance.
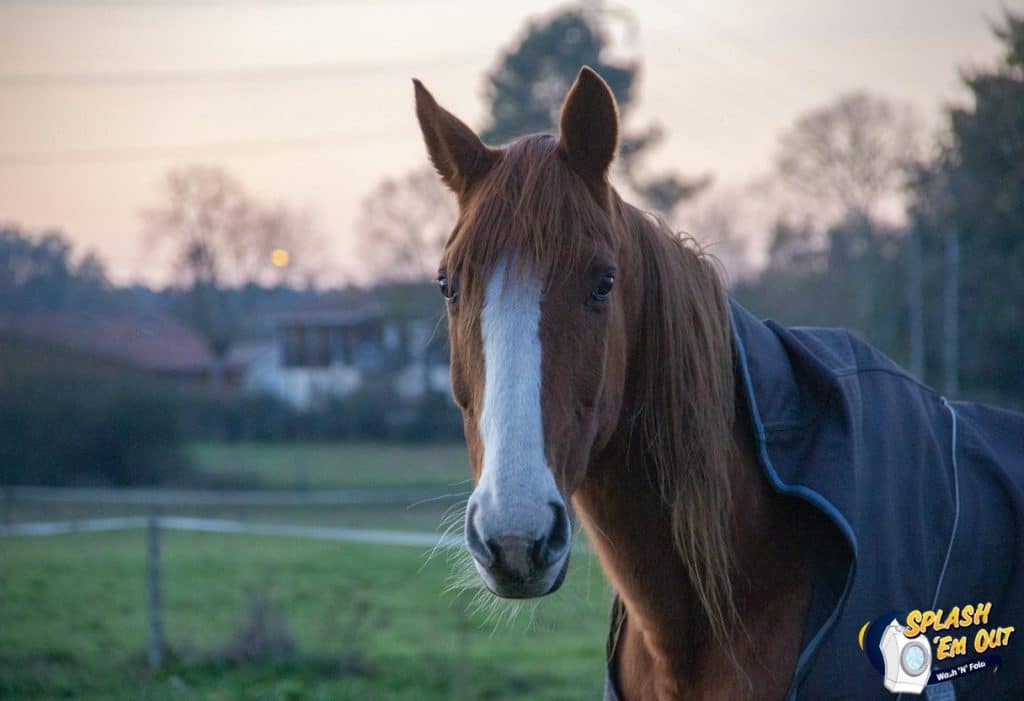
(589, 125)
(456, 151)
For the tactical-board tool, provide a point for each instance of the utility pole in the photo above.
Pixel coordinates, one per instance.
(915, 303)
(951, 323)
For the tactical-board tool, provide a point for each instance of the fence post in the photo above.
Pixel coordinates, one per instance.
(156, 628)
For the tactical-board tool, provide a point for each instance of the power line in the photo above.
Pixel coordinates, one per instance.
(183, 4)
(753, 48)
(156, 153)
(209, 76)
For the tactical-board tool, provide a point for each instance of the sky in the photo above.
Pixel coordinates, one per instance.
(309, 104)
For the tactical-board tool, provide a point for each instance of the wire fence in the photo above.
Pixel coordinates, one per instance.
(211, 497)
(156, 523)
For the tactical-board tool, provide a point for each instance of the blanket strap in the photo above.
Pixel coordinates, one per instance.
(945, 690)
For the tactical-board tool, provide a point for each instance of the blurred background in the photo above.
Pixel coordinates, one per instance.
(227, 450)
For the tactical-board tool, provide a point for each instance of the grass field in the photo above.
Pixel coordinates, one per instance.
(335, 465)
(425, 515)
(354, 621)
(368, 623)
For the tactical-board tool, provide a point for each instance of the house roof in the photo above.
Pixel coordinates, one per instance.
(348, 307)
(331, 317)
(151, 342)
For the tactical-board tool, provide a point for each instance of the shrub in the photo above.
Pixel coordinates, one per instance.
(65, 421)
(262, 635)
(367, 414)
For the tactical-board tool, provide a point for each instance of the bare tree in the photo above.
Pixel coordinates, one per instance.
(850, 157)
(719, 219)
(223, 238)
(403, 226)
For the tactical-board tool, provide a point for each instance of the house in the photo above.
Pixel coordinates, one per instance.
(155, 344)
(395, 344)
(334, 352)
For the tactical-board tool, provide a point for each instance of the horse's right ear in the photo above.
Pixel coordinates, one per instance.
(589, 126)
(457, 153)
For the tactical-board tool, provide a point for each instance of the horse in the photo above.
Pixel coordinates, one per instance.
(605, 377)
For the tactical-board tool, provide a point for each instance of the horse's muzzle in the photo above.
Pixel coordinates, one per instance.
(518, 566)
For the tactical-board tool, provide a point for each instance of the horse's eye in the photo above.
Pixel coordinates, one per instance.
(447, 287)
(603, 288)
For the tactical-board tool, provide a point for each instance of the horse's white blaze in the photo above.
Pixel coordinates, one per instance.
(516, 486)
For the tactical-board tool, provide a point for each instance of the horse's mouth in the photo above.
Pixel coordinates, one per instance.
(513, 587)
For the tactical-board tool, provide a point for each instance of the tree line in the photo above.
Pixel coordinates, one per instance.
(941, 287)
(915, 241)
(864, 220)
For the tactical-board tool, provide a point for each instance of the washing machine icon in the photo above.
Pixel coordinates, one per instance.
(908, 661)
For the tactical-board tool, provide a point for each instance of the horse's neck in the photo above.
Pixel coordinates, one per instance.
(666, 650)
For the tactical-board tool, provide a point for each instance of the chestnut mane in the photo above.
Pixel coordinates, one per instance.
(678, 419)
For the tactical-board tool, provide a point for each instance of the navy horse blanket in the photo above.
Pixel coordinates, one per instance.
(928, 495)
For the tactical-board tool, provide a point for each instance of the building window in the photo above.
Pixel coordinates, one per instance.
(307, 347)
(293, 346)
(318, 347)
(339, 348)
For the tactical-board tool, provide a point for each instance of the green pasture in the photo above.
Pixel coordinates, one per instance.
(335, 465)
(343, 622)
(251, 617)
(423, 515)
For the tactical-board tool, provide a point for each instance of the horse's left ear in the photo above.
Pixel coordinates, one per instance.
(589, 125)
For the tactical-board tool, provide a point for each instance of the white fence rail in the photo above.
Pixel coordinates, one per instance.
(216, 525)
(194, 497)
(154, 524)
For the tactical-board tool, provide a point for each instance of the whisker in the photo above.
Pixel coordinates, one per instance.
(428, 500)
(451, 520)
(597, 529)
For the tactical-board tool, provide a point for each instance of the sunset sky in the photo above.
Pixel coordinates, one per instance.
(310, 104)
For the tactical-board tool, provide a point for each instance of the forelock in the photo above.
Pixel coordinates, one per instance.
(531, 210)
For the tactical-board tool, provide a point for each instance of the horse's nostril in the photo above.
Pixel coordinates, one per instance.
(478, 547)
(552, 549)
(516, 556)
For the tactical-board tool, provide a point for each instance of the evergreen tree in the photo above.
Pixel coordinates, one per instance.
(524, 93)
(976, 189)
